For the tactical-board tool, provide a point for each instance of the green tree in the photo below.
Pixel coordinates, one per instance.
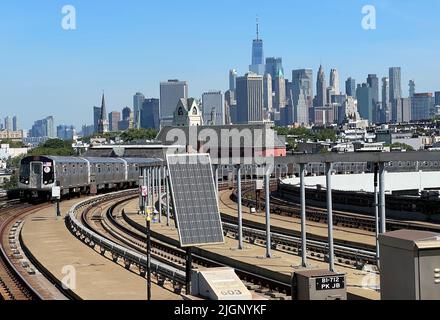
(138, 134)
(53, 147)
(403, 146)
(12, 183)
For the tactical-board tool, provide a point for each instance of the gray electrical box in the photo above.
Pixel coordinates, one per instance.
(319, 285)
(410, 265)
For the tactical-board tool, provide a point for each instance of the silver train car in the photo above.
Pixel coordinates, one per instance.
(77, 175)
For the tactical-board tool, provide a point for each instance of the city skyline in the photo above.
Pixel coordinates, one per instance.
(56, 71)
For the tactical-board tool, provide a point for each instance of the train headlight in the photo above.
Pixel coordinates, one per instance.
(27, 182)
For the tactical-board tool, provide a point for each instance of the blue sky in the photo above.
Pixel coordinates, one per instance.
(127, 46)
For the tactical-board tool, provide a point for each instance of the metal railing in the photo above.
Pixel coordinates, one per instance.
(173, 274)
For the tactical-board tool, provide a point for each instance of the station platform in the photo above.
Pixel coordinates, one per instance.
(252, 258)
(341, 234)
(97, 277)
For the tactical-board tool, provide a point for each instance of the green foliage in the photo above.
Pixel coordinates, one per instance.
(53, 147)
(126, 136)
(304, 134)
(12, 183)
(138, 134)
(12, 144)
(14, 163)
(402, 146)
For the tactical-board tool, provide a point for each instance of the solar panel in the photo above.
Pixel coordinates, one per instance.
(195, 199)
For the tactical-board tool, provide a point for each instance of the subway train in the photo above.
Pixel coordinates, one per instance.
(77, 175)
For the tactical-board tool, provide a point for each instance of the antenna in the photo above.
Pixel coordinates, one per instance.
(258, 31)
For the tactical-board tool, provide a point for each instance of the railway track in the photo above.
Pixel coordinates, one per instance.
(13, 284)
(116, 227)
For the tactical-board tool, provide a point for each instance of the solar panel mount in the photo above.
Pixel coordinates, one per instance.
(195, 199)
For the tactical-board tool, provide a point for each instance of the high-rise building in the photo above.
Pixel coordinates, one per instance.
(150, 114)
(279, 89)
(274, 66)
(401, 110)
(395, 83)
(421, 106)
(257, 65)
(365, 102)
(250, 99)
(15, 124)
(386, 105)
(8, 123)
(43, 128)
(267, 93)
(103, 123)
(230, 107)
(96, 117)
(321, 89)
(213, 108)
(66, 132)
(127, 121)
(138, 100)
(412, 88)
(437, 98)
(170, 94)
(373, 82)
(87, 130)
(232, 79)
(350, 87)
(302, 79)
(334, 81)
(301, 108)
(114, 117)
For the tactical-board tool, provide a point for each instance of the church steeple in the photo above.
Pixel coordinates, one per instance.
(103, 123)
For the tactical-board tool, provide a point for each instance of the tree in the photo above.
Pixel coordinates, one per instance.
(138, 134)
(12, 183)
(53, 147)
(403, 146)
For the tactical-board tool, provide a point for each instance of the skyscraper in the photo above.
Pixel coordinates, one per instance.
(302, 79)
(138, 100)
(213, 108)
(395, 83)
(401, 110)
(249, 98)
(412, 88)
(170, 94)
(321, 93)
(279, 88)
(103, 123)
(365, 101)
(350, 87)
(15, 124)
(43, 128)
(386, 115)
(150, 114)
(437, 98)
(267, 93)
(114, 117)
(8, 123)
(373, 82)
(96, 117)
(257, 65)
(127, 120)
(274, 66)
(334, 81)
(232, 79)
(421, 106)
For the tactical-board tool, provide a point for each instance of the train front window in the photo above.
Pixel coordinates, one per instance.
(36, 168)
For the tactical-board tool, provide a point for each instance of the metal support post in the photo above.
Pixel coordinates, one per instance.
(240, 209)
(188, 270)
(383, 218)
(168, 197)
(328, 167)
(302, 169)
(159, 183)
(376, 211)
(267, 206)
